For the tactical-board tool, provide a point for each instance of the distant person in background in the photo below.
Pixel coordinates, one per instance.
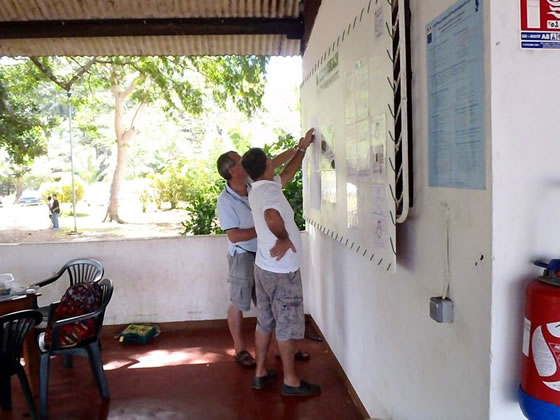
(55, 209)
(49, 205)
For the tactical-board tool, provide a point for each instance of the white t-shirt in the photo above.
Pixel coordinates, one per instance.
(266, 195)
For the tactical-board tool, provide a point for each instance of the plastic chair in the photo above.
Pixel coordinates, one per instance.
(79, 271)
(13, 329)
(89, 348)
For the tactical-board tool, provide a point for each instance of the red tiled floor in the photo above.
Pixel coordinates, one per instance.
(188, 373)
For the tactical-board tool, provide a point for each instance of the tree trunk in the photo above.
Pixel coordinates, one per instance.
(19, 184)
(122, 156)
(123, 138)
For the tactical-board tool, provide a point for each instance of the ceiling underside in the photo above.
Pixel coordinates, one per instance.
(154, 45)
(148, 27)
(19, 10)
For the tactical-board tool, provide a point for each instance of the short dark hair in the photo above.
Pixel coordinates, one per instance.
(225, 163)
(254, 162)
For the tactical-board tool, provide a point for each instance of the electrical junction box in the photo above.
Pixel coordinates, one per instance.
(441, 310)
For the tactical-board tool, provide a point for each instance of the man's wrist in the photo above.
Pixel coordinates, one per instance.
(281, 235)
(301, 149)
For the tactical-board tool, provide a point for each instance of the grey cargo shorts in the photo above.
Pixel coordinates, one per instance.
(280, 304)
(241, 280)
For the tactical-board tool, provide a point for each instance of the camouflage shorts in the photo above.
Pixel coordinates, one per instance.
(280, 304)
(241, 281)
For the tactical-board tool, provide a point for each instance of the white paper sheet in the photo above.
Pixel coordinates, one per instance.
(379, 148)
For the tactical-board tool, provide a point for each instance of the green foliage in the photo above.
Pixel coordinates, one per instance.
(239, 78)
(204, 187)
(201, 209)
(171, 186)
(181, 84)
(24, 125)
(294, 190)
(63, 190)
(145, 198)
(89, 166)
(66, 195)
(196, 185)
(241, 144)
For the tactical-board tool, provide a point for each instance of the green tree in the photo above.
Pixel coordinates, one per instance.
(24, 125)
(185, 84)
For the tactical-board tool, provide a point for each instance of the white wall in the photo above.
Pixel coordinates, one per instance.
(403, 364)
(526, 195)
(155, 280)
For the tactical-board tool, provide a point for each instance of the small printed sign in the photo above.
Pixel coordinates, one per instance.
(540, 24)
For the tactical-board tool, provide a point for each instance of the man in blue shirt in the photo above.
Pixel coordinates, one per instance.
(236, 220)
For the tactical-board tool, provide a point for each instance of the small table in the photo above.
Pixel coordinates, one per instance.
(30, 351)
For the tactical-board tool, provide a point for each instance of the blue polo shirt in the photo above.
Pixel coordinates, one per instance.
(234, 212)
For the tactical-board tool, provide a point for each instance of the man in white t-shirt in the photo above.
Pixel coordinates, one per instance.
(277, 275)
(236, 221)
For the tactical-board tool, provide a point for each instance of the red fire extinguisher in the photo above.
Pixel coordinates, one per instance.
(540, 374)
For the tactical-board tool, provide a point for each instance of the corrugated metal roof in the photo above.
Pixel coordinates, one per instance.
(99, 10)
(18, 10)
(154, 45)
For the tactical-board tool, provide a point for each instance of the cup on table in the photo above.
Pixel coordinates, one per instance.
(5, 286)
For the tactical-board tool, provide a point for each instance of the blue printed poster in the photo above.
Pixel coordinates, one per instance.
(455, 64)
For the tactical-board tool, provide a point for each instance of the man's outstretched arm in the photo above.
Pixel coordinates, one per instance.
(295, 164)
(283, 157)
(276, 225)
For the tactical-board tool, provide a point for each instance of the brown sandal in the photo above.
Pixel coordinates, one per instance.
(302, 356)
(245, 359)
(299, 356)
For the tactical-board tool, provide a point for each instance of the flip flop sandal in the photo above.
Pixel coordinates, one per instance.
(245, 359)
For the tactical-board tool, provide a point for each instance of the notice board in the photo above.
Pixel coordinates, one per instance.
(349, 171)
(455, 64)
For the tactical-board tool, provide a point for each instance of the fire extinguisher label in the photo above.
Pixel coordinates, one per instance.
(543, 357)
(526, 336)
(553, 385)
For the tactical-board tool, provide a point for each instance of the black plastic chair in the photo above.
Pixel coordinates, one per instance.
(79, 271)
(89, 348)
(13, 329)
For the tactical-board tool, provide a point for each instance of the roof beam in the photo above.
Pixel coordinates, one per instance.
(310, 11)
(292, 28)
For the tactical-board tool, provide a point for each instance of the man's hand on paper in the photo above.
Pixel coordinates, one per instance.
(304, 142)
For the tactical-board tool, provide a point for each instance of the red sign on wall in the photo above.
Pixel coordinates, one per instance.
(540, 24)
(540, 15)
